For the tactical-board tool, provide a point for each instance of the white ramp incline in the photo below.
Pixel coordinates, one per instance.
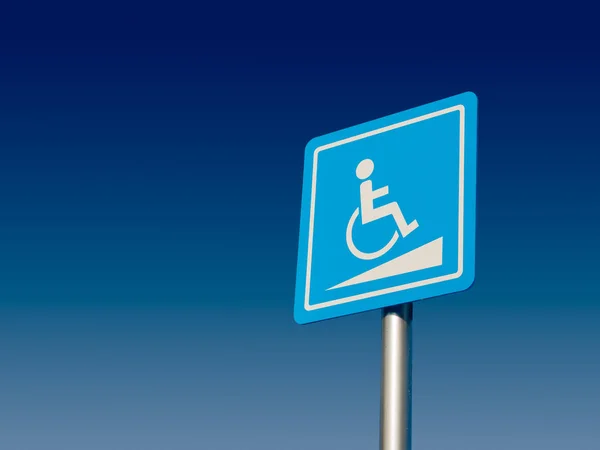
(423, 257)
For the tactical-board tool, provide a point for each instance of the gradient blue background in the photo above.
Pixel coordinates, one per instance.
(150, 180)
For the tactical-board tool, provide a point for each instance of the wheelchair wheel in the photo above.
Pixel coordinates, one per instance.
(364, 255)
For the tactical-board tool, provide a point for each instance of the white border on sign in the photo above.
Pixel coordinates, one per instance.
(461, 187)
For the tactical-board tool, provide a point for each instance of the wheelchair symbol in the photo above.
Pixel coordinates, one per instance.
(369, 213)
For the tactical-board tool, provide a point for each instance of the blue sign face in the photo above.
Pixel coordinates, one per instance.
(388, 211)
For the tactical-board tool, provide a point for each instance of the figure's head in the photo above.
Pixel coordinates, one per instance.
(364, 169)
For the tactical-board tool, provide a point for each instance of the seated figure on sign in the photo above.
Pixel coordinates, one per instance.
(367, 195)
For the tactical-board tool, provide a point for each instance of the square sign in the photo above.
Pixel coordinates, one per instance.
(388, 211)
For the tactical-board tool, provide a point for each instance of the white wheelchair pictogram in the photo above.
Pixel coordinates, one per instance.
(369, 213)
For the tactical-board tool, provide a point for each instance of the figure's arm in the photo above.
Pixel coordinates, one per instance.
(380, 192)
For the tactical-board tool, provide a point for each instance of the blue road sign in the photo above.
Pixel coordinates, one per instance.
(388, 211)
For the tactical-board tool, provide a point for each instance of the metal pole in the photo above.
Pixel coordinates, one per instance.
(395, 418)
